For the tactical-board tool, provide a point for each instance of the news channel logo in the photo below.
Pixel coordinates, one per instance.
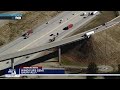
(13, 16)
(32, 71)
(12, 73)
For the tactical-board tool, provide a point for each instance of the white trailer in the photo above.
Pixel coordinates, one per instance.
(95, 12)
(88, 34)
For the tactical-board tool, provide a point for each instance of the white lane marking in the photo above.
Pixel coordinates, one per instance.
(47, 33)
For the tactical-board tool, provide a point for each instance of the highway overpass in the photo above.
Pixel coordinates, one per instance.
(59, 43)
(41, 35)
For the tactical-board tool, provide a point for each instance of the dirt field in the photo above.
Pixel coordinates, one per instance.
(30, 20)
(102, 48)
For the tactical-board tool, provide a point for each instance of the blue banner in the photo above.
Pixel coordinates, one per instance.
(11, 16)
(35, 70)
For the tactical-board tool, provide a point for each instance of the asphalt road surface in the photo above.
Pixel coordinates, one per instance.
(41, 35)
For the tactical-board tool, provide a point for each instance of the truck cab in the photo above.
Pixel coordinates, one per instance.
(88, 34)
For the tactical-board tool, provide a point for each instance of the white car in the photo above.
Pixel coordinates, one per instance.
(93, 13)
(84, 13)
(61, 20)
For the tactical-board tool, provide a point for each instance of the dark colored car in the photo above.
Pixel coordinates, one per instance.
(51, 34)
(84, 17)
(66, 28)
(26, 35)
(51, 40)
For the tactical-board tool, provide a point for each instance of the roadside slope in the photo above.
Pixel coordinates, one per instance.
(102, 48)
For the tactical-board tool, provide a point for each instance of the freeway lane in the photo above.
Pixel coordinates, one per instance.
(40, 37)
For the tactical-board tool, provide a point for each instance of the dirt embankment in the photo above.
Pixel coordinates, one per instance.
(30, 20)
(102, 48)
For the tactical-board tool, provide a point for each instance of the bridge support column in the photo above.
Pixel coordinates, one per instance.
(12, 63)
(59, 55)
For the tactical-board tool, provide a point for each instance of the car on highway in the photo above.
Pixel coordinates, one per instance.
(57, 34)
(27, 56)
(103, 24)
(93, 13)
(85, 17)
(26, 34)
(51, 40)
(7, 62)
(73, 13)
(47, 22)
(60, 20)
(54, 37)
(84, 13)
(68, 27)
(51, 34)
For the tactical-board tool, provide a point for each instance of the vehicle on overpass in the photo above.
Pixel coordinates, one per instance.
(60, 20)
(84, 13)
(93, 13)
(47, 22)
(54, 37)
(68, 27)
(88, 34)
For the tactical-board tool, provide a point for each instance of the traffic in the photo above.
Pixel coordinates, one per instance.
(68, 27)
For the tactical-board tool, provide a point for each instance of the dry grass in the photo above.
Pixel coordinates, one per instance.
(31, 19)
(103, 48)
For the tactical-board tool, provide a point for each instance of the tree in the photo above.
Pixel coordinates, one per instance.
(92, 69)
